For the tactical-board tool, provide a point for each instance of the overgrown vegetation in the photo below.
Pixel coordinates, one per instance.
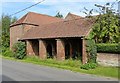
(67, 63)
(88, 66)
(108, 48)
(8, 52)
(91, 51)
(106, 28)
(5, 22)
(19, 50)
(91, 55)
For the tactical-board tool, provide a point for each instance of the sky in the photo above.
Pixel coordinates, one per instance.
(50, 7)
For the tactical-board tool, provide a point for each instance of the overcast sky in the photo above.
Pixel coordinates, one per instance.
(50, 7)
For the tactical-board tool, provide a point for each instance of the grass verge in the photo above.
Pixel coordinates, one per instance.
(73, 65)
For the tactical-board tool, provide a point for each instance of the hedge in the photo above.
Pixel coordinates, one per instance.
(108, 48)
(19, 50)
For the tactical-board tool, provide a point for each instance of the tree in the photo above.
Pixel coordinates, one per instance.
(88, 12)
(106, 29)
(108, 24)
(59, 15)
(6, 20)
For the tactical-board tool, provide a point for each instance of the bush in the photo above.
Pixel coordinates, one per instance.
(91, 51)
(19, 50)
(8, 52)
(108, 48)
(88, 66)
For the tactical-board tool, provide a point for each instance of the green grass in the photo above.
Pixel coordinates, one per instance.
(73, 65)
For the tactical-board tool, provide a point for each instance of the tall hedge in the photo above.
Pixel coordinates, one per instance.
(108, 48)
(19, 50)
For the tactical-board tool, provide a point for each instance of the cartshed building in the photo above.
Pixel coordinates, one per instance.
(52, 37)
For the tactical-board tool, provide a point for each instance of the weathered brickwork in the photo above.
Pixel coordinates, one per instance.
(42, 49)
(108, 59)
(60, 50)
(49, 37)
(29, 48)
(84, 53)
(16, 32)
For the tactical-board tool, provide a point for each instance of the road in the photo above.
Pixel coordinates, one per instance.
(20, 71)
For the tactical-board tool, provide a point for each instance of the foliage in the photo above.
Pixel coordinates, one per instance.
(19, 50)
(88, 66)
(108, 48)
(91, 51)
(106, 28)
(8, 52)
(59, 15)
(68, 63)
(5, 22)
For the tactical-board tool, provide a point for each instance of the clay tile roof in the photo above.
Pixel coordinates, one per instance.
(72, 16)
(37, 19)
(69, 28)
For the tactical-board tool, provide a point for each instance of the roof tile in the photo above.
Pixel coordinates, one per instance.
(70, 28)
(37, 19)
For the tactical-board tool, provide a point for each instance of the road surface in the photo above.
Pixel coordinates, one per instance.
(20, 71)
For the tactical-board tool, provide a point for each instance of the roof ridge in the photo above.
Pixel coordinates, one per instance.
(23, 17)
(74, 14)
(45, 15)
(26, 17)
(64, 21)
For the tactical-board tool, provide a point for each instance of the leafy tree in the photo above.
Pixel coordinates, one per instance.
(106, 29)
(6, 20)
(108, 24)
(59, 15)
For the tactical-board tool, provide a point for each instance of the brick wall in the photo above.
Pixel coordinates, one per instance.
(29, 48)
(42, 49)
(16, 32)
(28, 27)
(60, 50)
(84, 53)
(108, 59)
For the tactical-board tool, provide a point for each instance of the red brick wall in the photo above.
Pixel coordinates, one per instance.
(84, 53)
(16, 32)
(28, 27)
(60, 50)
(29, 48)
(108, 59)
(42, 49)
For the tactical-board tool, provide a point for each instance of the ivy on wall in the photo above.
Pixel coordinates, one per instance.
(91, 50)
